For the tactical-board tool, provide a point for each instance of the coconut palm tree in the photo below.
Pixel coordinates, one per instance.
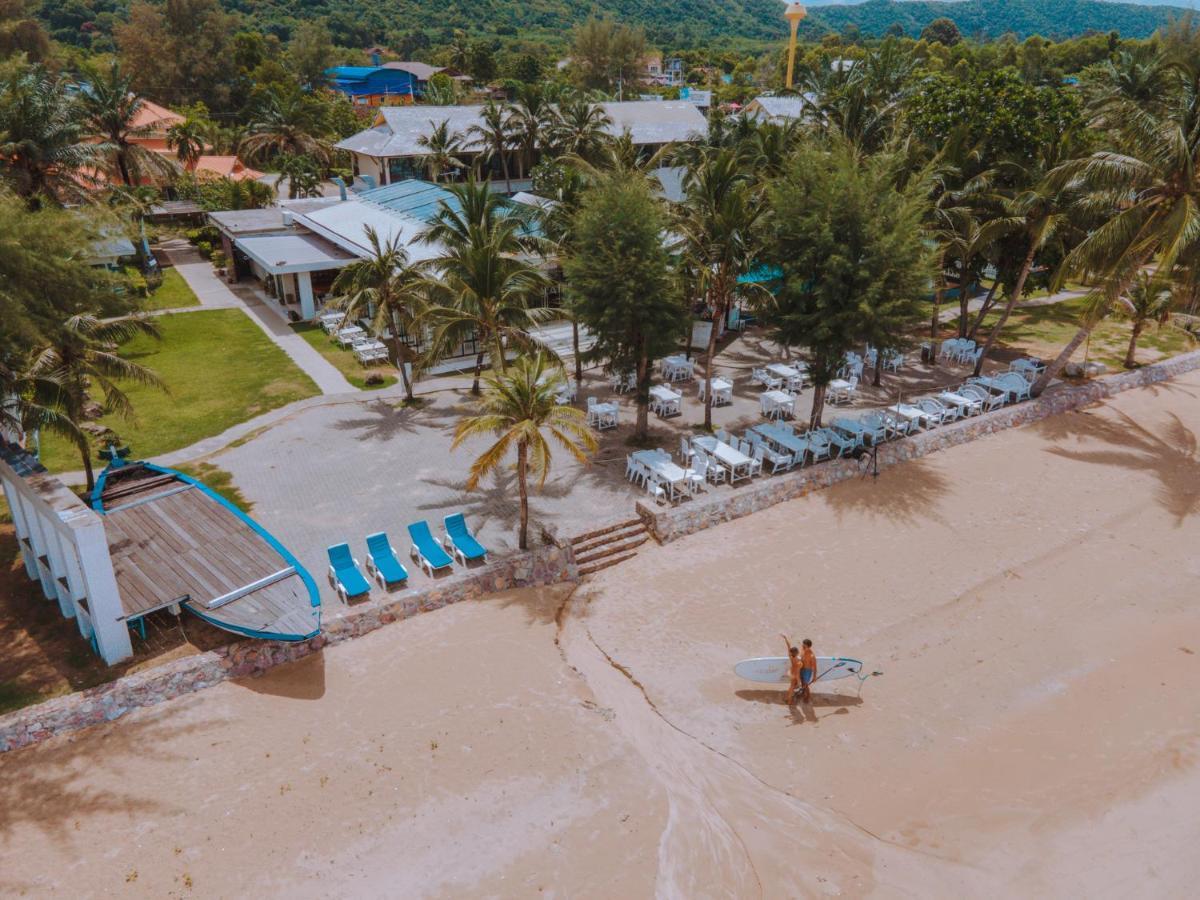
(485, 284)
(579, 127)
(1149, 191)
(519, 408)
(528, 121)
(110, 110)
(187, 139)
(495, 134)
(286, 120)
(1036, 215)
(44, 151)
(718, 221)
(1149, 300)
(441, 145)
(79, 357)
(387, 286)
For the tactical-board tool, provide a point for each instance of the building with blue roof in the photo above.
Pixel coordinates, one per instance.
(375, 85)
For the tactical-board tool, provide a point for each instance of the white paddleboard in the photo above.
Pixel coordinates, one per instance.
(776, 669)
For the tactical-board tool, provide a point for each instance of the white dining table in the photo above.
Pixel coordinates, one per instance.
(839, 384)
(349, 335)
(783, 370)
(736, 462)
(666, 469)
(965, 404)
(912, 413)
(774, 401)
(722, 388)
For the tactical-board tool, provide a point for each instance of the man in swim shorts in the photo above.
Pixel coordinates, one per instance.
(808, 670)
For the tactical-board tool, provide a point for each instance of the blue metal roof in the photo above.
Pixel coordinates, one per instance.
(351, 71)
(415, 198)
(422, 200)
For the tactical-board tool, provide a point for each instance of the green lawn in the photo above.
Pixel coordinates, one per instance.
(173, 293)
(221, 370)
(1043, 330)
(356, 373)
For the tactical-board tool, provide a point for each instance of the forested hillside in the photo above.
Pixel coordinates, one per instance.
(416, 24)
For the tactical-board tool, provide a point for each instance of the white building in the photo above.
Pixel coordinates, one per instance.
(390, 150)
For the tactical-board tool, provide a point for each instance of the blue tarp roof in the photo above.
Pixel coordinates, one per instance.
(351, 71)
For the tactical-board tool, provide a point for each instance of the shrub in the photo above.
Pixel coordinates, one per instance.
(373, 379)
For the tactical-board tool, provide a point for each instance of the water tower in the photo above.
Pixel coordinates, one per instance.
(795, 14)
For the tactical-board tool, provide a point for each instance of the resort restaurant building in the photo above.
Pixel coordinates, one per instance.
(295, 251)
(391, 150)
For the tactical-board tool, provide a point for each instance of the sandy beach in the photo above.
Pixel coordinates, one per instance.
(1031, 600)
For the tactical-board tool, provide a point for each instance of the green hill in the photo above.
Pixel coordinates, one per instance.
(669, 23)
(992, 18)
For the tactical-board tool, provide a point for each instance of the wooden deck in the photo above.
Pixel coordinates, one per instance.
(173, 544)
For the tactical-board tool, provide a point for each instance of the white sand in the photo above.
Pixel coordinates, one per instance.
(1031, 599)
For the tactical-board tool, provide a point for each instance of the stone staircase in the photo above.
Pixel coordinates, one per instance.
(606, 547)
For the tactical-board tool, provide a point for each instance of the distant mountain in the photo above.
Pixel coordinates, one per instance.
(992, 18)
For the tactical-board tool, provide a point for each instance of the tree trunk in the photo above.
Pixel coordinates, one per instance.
(878, 367)
(86, 455)
(478, 372)
(718, 317)
(1061, 360)
(523, 488)
(504, 167)
(988, 302)
(814, 421)
(934, 324)
(1130, 361)
(398, 345)
(1013, 296)
(123, 168)
(575, 348)
(963, 313)
(643, 396)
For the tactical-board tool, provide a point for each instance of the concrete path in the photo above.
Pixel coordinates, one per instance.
(213, 293)
(950, 309)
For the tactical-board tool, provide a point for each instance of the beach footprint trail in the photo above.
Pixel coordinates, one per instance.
(729, 832)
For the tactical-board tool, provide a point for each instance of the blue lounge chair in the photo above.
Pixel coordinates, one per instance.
(460, 541)
(344, 574)
(425, 550)
(381, 561)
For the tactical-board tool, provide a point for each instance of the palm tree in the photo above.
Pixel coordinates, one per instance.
(529, 121)
(579, 128)
(495, 133)
(44, 153)
(718, 222)
(1149, 190)
(79, 357)
(1036, 215)
(187, 139)
(1149, 299)
(286, 120)
(520, 408)
(386, 285)
(485, 284)
(442, 144)
(110, 109)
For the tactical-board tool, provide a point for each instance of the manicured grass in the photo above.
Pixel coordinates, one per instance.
(1043, 330)
(344, 360)
(173, 293)
(220, 369)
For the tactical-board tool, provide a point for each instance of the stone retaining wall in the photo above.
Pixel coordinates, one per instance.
(546, 565)
(724, 506)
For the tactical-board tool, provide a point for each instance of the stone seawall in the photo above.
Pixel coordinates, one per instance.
(724, 506)
(544, 566)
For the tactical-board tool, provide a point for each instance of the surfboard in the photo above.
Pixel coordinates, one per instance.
(774, 669)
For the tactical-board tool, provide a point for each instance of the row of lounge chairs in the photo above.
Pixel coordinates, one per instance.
(387, 570)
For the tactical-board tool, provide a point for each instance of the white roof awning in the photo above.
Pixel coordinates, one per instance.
(281, 254)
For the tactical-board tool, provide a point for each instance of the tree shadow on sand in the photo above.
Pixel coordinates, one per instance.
(1171, 455)
(382, 421)
(799, 713)
(50, 788)
(902, 494)
(496, 499)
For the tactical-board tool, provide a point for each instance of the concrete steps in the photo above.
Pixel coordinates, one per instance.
(605, 547)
